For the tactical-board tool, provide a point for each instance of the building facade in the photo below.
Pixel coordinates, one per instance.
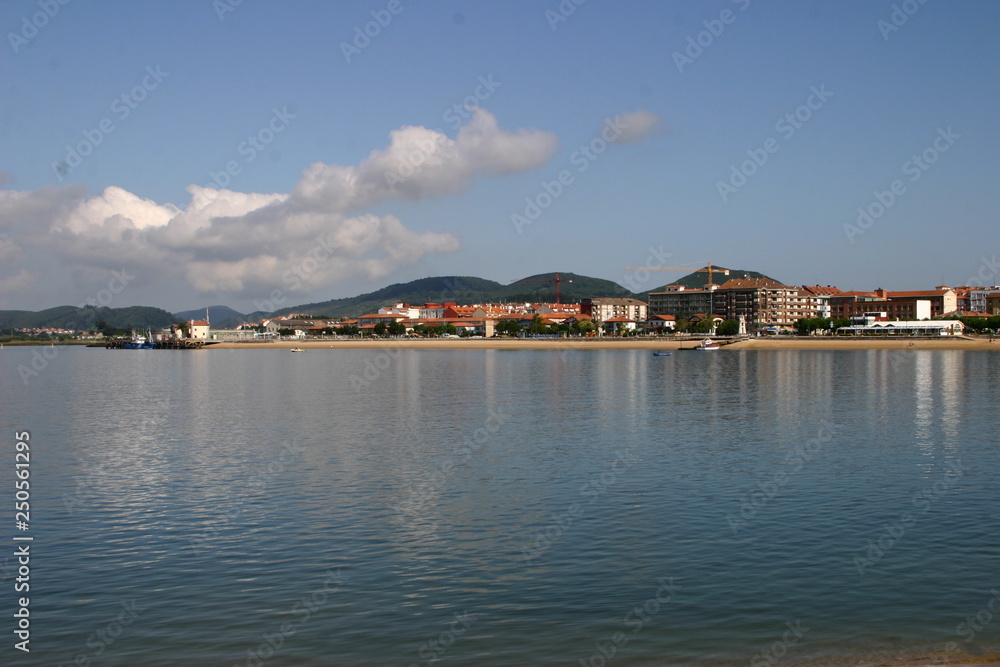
(602, 309)
(681, 301)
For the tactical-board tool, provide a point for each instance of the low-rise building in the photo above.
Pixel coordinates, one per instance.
(819, 298)
(198, 329)
(661, 323)
(872, 326)
(979, 295)
(602, 309)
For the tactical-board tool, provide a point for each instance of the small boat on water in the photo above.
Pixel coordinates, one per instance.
(708, 344)
(661, 354)
(297, 349)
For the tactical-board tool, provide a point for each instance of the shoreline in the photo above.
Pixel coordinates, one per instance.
(817, 343)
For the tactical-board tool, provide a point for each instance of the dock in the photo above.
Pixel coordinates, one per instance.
(171, 344)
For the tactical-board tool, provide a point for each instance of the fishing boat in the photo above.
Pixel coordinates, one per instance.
(297, 349)
(708, 344)
(140, 342)
(661, 354)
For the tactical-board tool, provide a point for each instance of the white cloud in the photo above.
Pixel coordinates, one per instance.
(636, 126)
(420, 163)
(247, 244)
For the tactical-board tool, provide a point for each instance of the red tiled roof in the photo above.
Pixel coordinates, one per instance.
(918, 293)
(821, 290)
(868, 294)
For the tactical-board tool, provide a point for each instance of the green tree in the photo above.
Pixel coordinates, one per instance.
(380, 329)
(286, 332)
(728, 328)
(397, 329)
(508, 328)
(807, 325)
(702, 326)
(538, 325)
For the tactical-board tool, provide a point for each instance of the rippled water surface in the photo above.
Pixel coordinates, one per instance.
(361, 507)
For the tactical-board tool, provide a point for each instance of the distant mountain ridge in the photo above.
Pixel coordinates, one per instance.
(86, 319)
(462, 290)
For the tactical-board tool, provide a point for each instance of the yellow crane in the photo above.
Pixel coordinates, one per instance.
(708, 269)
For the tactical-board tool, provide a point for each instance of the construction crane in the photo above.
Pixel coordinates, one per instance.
(555, 280)
(708, 269)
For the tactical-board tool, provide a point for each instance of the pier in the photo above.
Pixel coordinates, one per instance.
(170, 344)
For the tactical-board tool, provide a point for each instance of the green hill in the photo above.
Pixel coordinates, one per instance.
(463, 290)
(698, 279)
(572, 288)
(83, 319)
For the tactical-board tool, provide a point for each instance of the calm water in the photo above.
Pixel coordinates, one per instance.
(506, 507)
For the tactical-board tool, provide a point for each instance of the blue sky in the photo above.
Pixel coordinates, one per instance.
(199, 80)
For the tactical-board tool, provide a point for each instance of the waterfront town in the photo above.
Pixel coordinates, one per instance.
(739, 306)
(747, 306)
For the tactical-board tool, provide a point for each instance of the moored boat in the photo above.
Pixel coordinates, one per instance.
(140, 342)
(708, 344)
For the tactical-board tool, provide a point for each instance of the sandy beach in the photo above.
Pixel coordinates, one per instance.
(789, 343)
